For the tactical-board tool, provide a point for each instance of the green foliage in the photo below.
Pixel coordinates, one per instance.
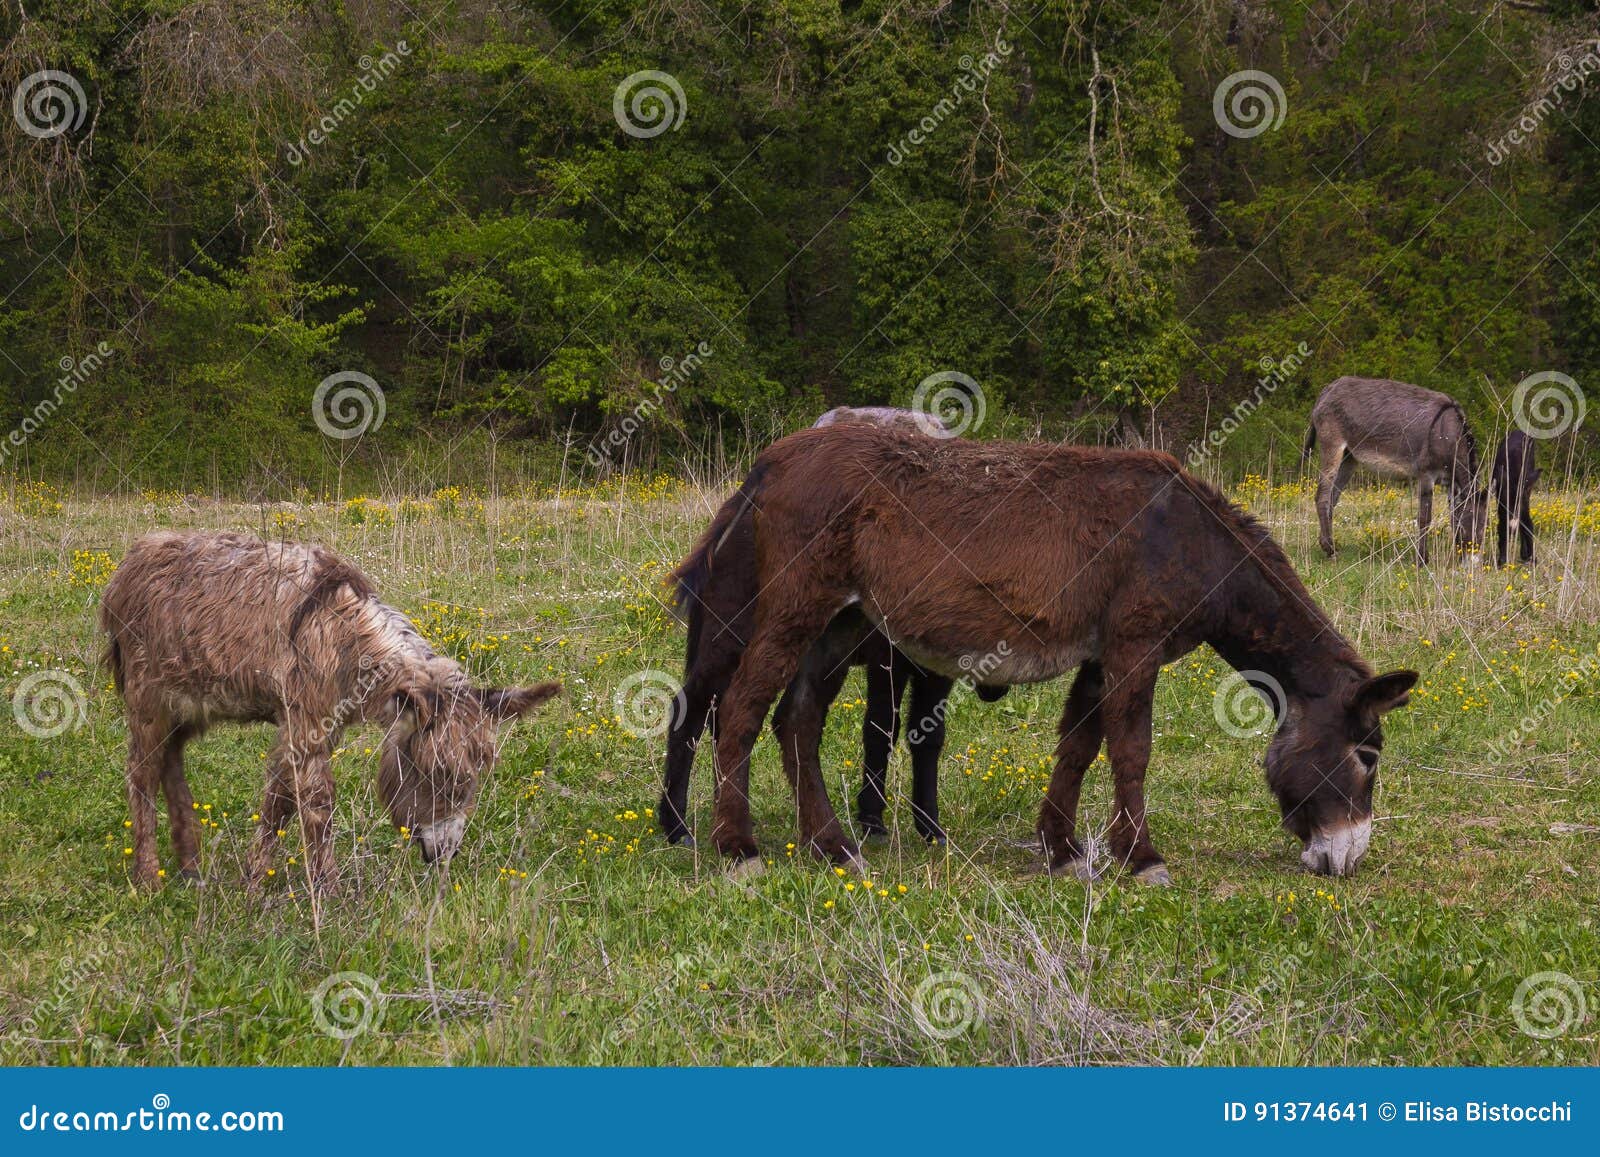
(855, 196)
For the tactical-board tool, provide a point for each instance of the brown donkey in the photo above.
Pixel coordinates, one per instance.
(1025, 561)
(1400, 430)
(715, 590)
(208, 627)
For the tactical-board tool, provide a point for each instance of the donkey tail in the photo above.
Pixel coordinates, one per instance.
(689, 577)
(112, 661)
(1309, 444)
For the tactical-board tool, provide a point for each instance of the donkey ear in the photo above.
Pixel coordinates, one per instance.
(1384, 692)
(512, 702)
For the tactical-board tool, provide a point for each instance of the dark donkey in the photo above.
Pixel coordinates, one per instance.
(1512, 476)
(1027, 560)
(716, 588)
(1402, 430)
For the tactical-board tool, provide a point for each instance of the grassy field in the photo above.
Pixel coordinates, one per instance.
(568, 932)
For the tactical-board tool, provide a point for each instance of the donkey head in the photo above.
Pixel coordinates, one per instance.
(1323, 763)
(1469, 515)
(441, 744)
(1469, 504)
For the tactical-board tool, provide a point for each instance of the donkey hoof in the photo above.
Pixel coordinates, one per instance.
(1081, 868)
(736, 847)
(192, 877)
(1156, 875)
(680, 839)
(747, 869)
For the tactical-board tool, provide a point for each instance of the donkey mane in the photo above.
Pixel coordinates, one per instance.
(1258, 544)
(1467, 436)
(332, 573)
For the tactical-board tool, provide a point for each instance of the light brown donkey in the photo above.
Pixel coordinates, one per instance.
(208, 627)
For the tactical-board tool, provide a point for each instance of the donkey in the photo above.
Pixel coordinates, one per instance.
(716, 590)
(1400, 430)
(1512, 476)
(1029, 560)
(206, 627)
(918, 420)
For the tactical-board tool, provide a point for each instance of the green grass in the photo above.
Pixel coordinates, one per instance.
(568, 932)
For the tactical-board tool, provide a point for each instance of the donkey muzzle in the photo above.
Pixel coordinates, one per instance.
(441, 840)
(1338, 851)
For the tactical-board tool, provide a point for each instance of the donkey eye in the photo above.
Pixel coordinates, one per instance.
(1369, 759)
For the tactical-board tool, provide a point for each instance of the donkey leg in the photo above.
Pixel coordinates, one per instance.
(714, 647)
(1331, 477)
(276, 809)
(1525, 530)
(1081, 733)
(180, 804)
(930, 695)
(310, 765)
(886, 679)
(145, 735)
(1424, 517)
(1125, 707)
(798, 723)
(683, 741)
(1502, 530)
(769, 663)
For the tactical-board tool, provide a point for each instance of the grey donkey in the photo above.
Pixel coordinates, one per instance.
(1398, 430)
